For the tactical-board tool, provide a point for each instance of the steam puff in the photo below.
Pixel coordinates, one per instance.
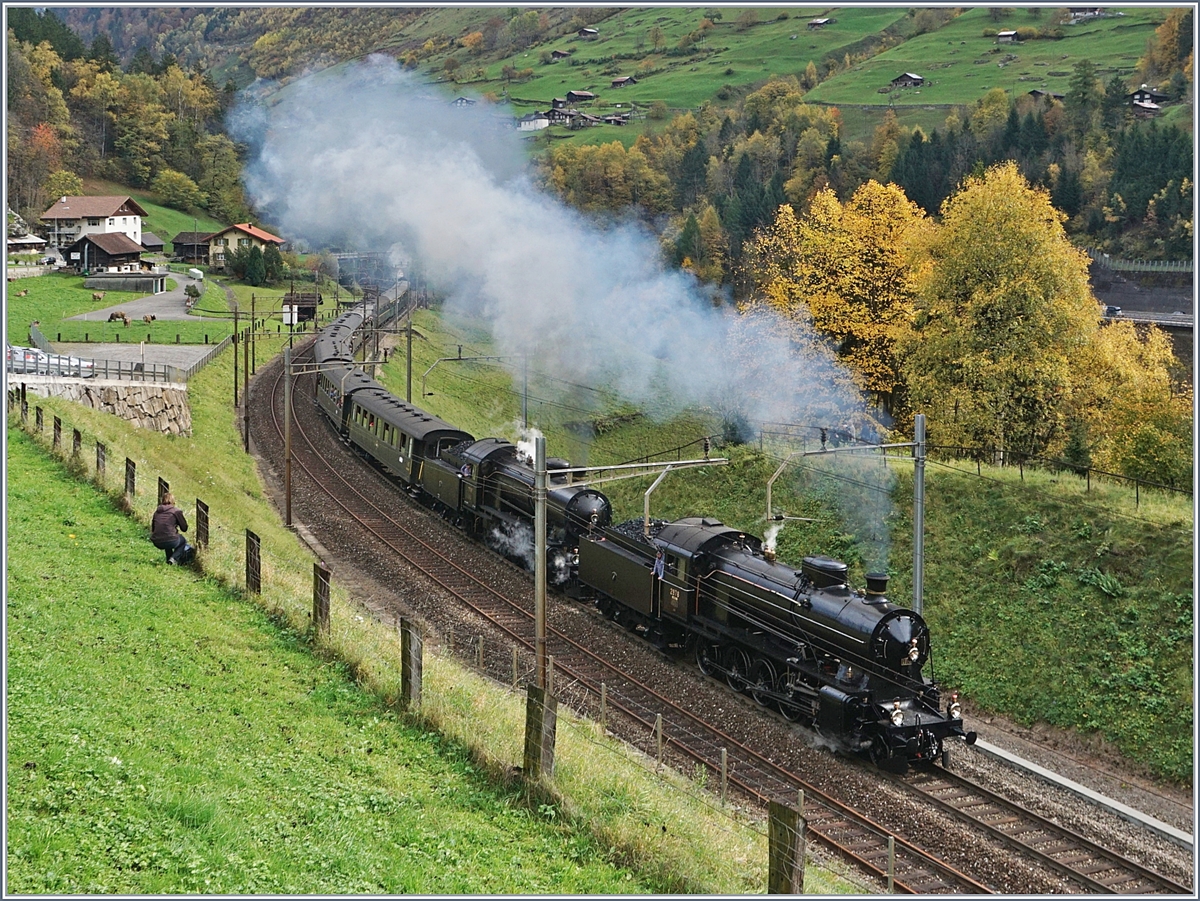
(364, 157)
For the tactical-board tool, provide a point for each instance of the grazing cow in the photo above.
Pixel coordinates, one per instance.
(148, 318)
(127, 321)
(97, 295)
(117, 316)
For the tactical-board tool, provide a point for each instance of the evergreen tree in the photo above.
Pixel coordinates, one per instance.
(687, 245)
(101, 52)
(33, 26)
(256, 267)
(273, 264)
(142, 62)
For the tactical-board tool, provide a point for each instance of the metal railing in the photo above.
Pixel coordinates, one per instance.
(1118, 265)
(109, 369)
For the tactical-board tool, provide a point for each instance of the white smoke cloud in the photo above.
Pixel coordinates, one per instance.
(365, 157)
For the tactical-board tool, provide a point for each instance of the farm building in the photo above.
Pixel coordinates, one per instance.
(623, 80)
(587, 34)
(580, 96)
(907, 80)
(559, 54)
(814, 24)
(1006, 37)
(533, 122)
(114, 252)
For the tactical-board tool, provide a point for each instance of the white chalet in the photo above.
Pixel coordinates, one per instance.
(72, 218)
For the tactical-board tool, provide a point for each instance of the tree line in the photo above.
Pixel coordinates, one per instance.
(75, 112)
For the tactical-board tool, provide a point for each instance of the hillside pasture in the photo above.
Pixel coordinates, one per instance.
(960, 65)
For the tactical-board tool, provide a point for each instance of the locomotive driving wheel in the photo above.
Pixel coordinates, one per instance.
(737, 669)
(706, 657)
(762, 681)
(789, 688)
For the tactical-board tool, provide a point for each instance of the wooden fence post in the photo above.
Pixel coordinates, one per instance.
(101, 462)
(130, 477)
(163, 487)
(253, 563)
(57, 440)
(76, 442)
(39, 419)
(320, 612)
(541, 724)
(410, 664)
(201, 523)
(786, 840)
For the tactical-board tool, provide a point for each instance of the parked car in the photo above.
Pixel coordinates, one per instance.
(31, 361)
(1110, 310)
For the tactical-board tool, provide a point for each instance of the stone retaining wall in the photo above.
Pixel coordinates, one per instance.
(161, 407)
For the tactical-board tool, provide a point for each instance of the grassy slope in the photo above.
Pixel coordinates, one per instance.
(1047, 602)
(221, 756)
(959, 62)
(960, 65)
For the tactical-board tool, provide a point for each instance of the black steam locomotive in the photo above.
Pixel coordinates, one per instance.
(800, 641)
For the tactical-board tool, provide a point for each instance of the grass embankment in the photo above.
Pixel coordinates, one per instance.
(226, 798)
(166, 737)
(1048, 602)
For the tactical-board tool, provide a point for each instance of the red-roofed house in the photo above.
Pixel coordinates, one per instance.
(230, 239)
(71, 218)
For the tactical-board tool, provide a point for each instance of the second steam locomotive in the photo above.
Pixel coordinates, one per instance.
(801, 641)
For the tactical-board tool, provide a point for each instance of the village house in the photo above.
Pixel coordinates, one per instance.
(462, 101)
(616, 119)
(1081, 13)
(191, 247)
(228, 240)
(1146, 94)
(560, 116)
(25, 244)
(113, 252)
(152, 243)
(1039, 94)
(533, 122)
(583, 120)
(558, 103)
(580, 96)
(71, 218)
(907, 80)
(623, 80)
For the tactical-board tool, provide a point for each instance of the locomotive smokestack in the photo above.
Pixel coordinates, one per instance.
(769, 554)
(877, 583)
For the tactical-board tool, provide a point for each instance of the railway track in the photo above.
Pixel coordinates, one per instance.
(1079, 859)
(580, 673)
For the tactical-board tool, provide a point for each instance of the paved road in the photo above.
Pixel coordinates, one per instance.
(168, 305)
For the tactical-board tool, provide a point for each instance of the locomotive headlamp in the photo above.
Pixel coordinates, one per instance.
(914, 652)
(897, 714)
(955, 707)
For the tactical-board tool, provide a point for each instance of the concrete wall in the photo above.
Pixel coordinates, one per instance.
(161, 407)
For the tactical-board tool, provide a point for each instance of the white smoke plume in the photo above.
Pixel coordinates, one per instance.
(770, 535)
(526, 448)
(514, 540)
(364, 157)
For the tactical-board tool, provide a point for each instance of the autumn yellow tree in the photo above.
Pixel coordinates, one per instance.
(1132, 412)
(1001, 320)
(855, 269)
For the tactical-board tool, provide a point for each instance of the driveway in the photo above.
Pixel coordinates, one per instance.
(168, 305)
